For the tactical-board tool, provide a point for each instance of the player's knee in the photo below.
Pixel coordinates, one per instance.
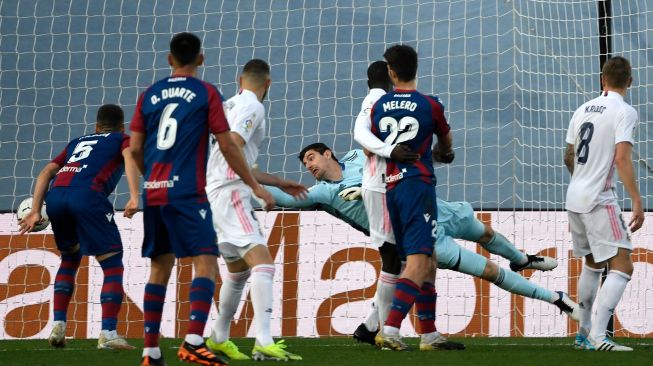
(622, 262)
(206, 266)
(490, 272)
(113, 257)
(161, 268)
(487, 236)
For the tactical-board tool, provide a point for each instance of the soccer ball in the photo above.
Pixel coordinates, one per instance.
(25, 207)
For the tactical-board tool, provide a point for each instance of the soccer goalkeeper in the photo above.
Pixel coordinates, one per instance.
(336, 178)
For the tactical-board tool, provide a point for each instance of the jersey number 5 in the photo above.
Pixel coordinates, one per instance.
(585, 136)
(404, 130)
(167, 134)
(82, 151)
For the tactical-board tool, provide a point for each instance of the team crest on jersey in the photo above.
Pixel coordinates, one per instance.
(249, 124)
(203, 213)
(109, 216)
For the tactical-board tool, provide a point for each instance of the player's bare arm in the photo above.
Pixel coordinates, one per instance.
(42, 183)
(291, 187)
(136, 146)
(443, 150)
(569, 158)
(233, 154)
(373, 145)
(133, 175)
(624, 163)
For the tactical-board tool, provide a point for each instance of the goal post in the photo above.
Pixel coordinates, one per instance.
(510, 74)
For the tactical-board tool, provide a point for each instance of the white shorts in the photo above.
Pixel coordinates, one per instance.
(378, 218)
(231, 253)
(600, 232)
(233, 216)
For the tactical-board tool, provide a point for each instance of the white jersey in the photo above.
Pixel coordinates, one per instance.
(374, 167)
(596, 127)
(246, 117)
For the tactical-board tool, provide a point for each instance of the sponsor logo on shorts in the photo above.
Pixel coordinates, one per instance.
(427, 217)
(109, 216)
(203, 213)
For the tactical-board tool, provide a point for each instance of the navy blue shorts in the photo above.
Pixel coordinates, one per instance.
(82, 216)
(413, 214)
(185, 229)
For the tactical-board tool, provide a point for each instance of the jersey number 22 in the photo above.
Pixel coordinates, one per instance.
(400, 131)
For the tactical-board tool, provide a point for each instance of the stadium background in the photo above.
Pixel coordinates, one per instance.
(510, 74)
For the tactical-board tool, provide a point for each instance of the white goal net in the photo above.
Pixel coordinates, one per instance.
(510, 74)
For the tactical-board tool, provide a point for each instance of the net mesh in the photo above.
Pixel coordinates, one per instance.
(510, 74)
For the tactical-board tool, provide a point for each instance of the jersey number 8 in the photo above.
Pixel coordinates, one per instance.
(402, 131)
(167, 134)
(585, 136)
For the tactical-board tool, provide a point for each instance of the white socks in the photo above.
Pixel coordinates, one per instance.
(588, 286)
(231, 292)
(385, 289)
(385, 293)
(194, 339)
(610, 294)
(154, 352)
(261, 292)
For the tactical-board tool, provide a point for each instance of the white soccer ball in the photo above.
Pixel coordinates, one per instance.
(25, 207)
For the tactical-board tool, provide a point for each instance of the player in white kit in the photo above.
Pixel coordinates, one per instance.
(600, 138)
(239, 237)
(456, 217)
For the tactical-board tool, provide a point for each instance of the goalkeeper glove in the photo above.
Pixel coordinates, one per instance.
(351, 193)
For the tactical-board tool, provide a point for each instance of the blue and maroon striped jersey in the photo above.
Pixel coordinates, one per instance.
(176, 115)
(92, 161)
(410, 118)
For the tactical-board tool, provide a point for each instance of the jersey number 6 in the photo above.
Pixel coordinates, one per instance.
(404, 130)
(167, 134)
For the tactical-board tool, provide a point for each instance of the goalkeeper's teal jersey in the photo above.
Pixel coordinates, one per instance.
(455, 217)
(324, 195)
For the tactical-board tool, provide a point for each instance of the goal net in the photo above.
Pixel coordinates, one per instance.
(510, 74)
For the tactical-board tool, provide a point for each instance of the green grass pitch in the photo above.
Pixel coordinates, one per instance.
(344, 351)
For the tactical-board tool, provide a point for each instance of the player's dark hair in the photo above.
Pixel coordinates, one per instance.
(617, 72)
(257, 69)
(402, 59)
(377, 76)
(318, 147)
(185, 48)
(110, 116)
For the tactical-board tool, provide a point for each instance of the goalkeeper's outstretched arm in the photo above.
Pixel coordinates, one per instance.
(285, 200)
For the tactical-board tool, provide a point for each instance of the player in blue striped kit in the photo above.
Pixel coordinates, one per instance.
(170, 135)
(407, 117)
(83, 175)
